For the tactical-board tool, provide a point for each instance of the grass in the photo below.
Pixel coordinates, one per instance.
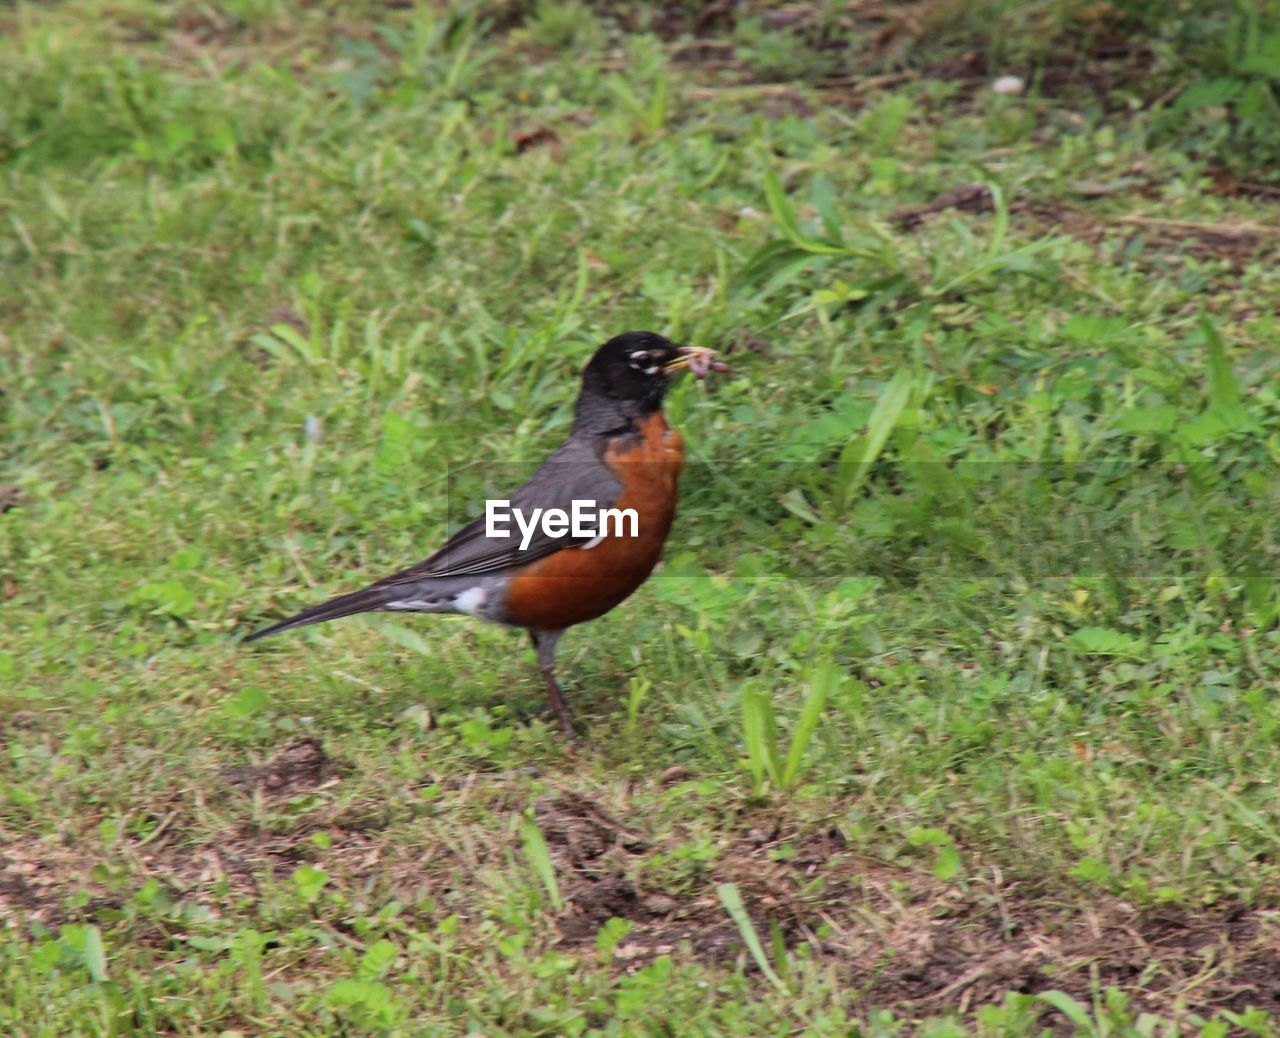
(952, 709)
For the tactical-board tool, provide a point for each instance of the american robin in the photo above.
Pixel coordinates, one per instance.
(620, 455)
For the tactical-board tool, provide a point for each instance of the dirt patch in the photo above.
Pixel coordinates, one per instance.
(1226, 183)
(41, 878)
(591, 850)
(853, 49)
(299, 766)
(1145, 238)
(903, 939)
(1236, 243)
(39, 875)
(967, 198)
(15, 893)
(941, 949)
(896, 936)
(1150, 241)
(1102, 68)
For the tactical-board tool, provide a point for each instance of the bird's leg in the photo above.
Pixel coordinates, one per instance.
(544, 643)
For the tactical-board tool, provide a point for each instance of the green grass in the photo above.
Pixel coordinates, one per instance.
(966, 644)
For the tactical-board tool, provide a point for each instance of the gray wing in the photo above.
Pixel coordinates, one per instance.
(573, 472)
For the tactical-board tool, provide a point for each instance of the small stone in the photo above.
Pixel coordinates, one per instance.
(659, 904)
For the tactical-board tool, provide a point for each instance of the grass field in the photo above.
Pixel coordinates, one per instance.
(953, 709)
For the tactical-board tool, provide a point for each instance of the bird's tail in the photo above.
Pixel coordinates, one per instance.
(362, 601)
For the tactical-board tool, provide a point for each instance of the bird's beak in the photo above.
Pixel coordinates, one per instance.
(697, 359)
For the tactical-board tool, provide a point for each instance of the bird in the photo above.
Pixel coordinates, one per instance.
(620, 454)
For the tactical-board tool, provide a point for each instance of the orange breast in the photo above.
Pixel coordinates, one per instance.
(579, 584)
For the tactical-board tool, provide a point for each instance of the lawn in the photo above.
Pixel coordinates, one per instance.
(952, 710)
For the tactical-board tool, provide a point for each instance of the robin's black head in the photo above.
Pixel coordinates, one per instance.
(629, 375)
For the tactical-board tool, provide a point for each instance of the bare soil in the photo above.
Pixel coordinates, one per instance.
(906, 940)
(1146, 239)
(899, 937)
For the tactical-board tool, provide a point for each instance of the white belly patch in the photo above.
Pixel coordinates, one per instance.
(471, 601)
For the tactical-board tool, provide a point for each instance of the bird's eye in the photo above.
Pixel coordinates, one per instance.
(642, 360)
